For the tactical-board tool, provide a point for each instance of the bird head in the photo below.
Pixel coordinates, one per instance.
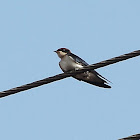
(62, 52)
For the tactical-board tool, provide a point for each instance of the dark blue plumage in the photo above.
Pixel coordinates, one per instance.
(70, 61)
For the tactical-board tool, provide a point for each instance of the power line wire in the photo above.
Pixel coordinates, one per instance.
(68, 74)
(133, 137)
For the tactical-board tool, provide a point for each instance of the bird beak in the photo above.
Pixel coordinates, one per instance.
(55, 51)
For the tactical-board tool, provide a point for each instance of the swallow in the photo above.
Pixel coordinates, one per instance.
(70, 61)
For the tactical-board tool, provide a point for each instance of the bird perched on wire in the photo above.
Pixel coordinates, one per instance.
(70, 61)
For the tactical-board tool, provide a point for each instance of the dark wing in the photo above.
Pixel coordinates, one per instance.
(78, 59)
(103, 78)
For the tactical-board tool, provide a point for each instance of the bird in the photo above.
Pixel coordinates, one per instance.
(70, 61)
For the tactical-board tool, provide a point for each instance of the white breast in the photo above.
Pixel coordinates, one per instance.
(67, 63)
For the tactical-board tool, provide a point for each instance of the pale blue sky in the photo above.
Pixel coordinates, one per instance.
(30, 31)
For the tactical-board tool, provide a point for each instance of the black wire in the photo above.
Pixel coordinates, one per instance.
(133, 137)
(72, 73)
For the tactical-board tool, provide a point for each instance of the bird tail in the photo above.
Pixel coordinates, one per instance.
(99, 84)
(92, 78)
(97, 81)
